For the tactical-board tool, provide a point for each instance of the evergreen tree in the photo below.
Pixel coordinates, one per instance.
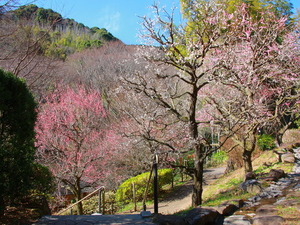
(17, 119)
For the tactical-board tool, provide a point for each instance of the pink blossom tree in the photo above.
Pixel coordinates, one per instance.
(73, 138)
(255, 84)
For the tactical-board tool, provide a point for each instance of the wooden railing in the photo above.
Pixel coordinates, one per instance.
(100, 190)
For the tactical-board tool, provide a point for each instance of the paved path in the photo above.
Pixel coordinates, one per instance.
(182, 198)
(129, 219)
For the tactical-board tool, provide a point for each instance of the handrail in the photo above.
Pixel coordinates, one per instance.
(86, 197)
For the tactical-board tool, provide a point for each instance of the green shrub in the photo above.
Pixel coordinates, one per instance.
(265, 142)
(125, 190)
(217, 159)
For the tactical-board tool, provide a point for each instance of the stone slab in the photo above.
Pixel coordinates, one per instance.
(94, 220)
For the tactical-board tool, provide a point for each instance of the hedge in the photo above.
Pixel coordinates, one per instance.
(125, 192)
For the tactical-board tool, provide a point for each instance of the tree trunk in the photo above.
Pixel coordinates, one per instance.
(249, 147)
(247, 161)
(198, 177)
(198, 146)
(280, 133)
(78, 197)
(2, 205)
(80, 208)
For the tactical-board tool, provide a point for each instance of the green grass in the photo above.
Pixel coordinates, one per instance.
(286, 167)
(229, 194)
(183, 212)
(290, 213)
(130, 206)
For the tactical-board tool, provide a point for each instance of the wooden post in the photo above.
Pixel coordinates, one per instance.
(155, 183)
(134, 196)
(185, 165)
(99, 201)
(181, 170)
(172, 179)
(103, 202)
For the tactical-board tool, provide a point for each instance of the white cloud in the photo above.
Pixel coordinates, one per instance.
(110, 20)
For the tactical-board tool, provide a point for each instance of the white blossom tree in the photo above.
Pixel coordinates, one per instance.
(181, 56)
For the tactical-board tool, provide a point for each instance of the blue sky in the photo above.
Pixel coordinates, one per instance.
(120, 17)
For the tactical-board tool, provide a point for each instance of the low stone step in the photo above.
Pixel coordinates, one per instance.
(236, 220)
(94, 220)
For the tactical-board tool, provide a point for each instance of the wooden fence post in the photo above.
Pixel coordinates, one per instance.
(134, 196)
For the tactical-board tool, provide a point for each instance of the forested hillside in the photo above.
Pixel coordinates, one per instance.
(65, 35)
(35, 40)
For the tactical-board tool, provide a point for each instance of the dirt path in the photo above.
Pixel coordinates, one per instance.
(182, 198)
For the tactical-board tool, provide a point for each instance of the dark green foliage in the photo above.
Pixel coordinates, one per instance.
(42, 180)
(17, 119)
(265, 142)
(83, 44)
(40, 15)
(47, 16)
(102, 34)
(125, 193)
(26, 11)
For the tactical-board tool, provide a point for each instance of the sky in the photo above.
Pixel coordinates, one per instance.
(119, 17)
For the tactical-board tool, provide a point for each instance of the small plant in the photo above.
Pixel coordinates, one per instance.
(266, 142)
(217, 159)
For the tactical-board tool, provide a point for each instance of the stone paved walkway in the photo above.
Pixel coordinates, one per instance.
(94, 220)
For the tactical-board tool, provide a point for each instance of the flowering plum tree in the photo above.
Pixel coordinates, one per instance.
(73, 138)
(256, 87)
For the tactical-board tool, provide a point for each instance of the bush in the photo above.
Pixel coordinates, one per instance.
(125, 190)
(17, 120)
(43, 180)
(265, 142)
(217, 159)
